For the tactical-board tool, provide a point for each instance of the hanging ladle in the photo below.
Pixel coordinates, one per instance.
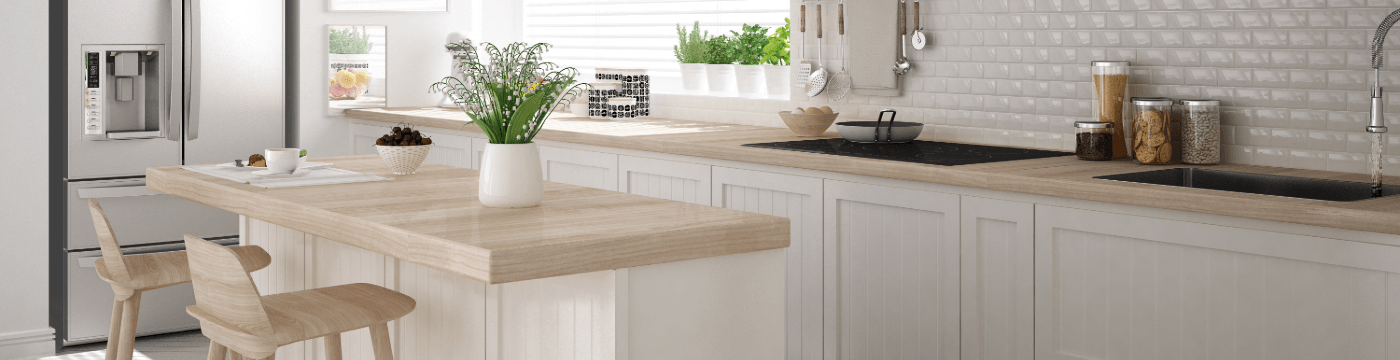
(902, 65)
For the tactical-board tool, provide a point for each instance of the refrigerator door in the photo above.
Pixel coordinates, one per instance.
(128, 24)
(89, 302)
(140, 215)
(236, 72)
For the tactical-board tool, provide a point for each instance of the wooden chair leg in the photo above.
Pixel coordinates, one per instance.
(115, 331)
(234, 355)
(217, 351)
(332, 346)
(379, 337)
(130, 309)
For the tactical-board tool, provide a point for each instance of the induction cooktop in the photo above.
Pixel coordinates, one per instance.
(924, 152)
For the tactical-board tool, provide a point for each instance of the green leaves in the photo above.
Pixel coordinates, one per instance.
(510, 93)
(693, 46)
(349, 41)
(722, 50)
(748, 45)
(778, 51)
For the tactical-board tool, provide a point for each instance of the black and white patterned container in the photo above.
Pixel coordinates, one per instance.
(636, 84)
(622, 108)
(598, 96)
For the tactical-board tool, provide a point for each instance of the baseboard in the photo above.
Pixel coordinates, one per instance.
(27, 345)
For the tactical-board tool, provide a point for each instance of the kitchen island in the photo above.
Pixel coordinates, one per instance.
(588, 274)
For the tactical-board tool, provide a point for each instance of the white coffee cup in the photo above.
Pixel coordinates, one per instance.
(283, 160)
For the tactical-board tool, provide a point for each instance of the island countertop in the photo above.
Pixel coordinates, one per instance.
(1064, 177)
(433, 218)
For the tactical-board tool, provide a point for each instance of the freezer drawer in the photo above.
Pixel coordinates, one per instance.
(89, 302)
(140, 216)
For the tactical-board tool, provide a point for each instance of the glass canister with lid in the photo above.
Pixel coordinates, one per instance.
(1093, 140)
(1110, 93)
(1153, 132)
(1200, 132)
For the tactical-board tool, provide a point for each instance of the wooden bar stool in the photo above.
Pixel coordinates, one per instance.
(132, 275)
(234, 316)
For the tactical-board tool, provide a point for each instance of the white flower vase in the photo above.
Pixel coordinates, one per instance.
(777, 80)
(693, 78)
(750, 80)
(511, 176)
(720, 78)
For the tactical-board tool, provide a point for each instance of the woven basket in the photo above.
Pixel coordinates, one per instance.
(403, 160)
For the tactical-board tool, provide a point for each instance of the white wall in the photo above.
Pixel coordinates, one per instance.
(24, 314)
(416, 59)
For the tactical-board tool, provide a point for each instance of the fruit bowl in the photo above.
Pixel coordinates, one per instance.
(403, 160)
(808, 124)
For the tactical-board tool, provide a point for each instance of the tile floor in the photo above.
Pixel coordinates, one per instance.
(188, 345)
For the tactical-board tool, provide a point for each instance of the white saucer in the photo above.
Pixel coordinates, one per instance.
(267, 174)
(305, 165)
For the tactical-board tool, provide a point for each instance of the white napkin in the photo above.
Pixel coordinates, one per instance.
(324, 176)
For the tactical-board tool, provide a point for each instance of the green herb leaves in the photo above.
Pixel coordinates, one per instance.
(778, 51)
(748, 45)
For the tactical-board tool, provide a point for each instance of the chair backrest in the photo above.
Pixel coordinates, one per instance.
(223, 289)
(107, 241)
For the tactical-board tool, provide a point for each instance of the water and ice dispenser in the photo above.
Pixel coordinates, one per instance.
(125, 93)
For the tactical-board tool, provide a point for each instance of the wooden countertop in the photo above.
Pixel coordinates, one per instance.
(433, 219)
(1064, 177)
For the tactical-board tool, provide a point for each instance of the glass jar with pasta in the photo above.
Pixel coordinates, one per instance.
(1153, 133)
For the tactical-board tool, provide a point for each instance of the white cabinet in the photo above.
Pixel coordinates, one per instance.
(451, 150)
(663, 179)
(998, 279)
(1112, 286)
(800, 200)
(579, 167)
(892, 273)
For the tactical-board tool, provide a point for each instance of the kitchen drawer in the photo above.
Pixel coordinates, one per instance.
(89, 302)
(141, 216)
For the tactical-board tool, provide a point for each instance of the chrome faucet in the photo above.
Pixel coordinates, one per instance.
(1377, 124)
(1377, 117)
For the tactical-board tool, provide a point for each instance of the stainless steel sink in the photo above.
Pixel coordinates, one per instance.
(1286, 186)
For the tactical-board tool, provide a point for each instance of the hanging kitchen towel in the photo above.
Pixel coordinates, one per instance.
(873, 29)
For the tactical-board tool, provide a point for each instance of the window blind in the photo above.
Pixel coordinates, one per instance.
(636, 34)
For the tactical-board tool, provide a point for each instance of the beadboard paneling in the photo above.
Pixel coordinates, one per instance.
(450, 318)
(1113, 287)
(566, 317)
(799, 200)
(998, 279)
(898, 272)
(662, 179)
(577, 167)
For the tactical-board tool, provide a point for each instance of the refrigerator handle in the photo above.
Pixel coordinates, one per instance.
(192, 68)
(175, 109)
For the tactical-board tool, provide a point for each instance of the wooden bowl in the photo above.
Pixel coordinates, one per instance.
(808, 124)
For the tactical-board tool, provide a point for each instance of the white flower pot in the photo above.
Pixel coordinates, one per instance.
(511, 176)
(720, 78)
(750, 80)
(693, 77)
(777, 79)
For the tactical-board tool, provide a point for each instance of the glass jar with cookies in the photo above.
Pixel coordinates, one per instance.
(1154, 135)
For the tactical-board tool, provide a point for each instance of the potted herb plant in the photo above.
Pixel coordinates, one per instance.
(748, 51)
(509, 95)
(349, 62)
(693, 51)
(719, 70)
(777, 54)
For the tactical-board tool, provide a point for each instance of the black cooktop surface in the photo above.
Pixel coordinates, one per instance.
(925, 152)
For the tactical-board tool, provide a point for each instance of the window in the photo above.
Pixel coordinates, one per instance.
(636, 34)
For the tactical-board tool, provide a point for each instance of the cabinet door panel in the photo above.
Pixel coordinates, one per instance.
(891, 273)
(998, 279)
(450, 150)
(663, 179)
(579, 167)
(798, 199)
(362, 138)
(1111, 286)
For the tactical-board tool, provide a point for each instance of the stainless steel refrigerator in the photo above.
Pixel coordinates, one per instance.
(159, 83)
